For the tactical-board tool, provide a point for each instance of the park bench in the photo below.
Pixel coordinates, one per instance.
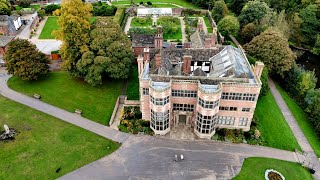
(78, 111)
(37, 96)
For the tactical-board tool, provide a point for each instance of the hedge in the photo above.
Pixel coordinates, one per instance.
(119, 16)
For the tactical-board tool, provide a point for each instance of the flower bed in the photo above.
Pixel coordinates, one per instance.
(271, 174)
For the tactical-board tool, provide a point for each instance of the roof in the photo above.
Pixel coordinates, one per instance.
(4, 40)
(142, 40)
(152, 11)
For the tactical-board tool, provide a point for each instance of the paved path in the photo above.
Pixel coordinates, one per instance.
(183, 29)
(302, 140)
(205, 29)
(72, 118)
(127, 27)
(40, 27)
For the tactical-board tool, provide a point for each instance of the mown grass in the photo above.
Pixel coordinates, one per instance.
(254, 169)
(51, 25)
(209, 27)
(274, 129)
(303, 121)
(66, 92)
(136, 23)
(44, 144)
(133, 85)
(182, 3)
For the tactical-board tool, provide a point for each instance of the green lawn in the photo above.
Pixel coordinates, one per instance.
(133, 85)
(254, 169)
(303, 121)
(176, 22)
(182, 3)
(63, 91)
(209, 27)
(51, 25)
(44, 144)
(272, 125)
(141, 22)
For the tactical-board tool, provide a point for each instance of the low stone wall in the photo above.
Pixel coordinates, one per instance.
(131, 102)
(116, 106)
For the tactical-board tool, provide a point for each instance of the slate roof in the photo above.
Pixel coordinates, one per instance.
(4, 40)
(142, 40)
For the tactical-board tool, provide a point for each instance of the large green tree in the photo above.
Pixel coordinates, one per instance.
(23, 59)
(229, 25)
(74, 23)
(5, 7)
(253, 11)
(110, 53)
(273, 49)
(310, 23)
(316, 48)
(219, 10)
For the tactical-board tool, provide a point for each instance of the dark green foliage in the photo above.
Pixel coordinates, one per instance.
(5, 7)
(136, 30)
(312, 101)
(119, 16)
(24, 60)
(316, 48)
(236, 5)
(190, 12)
(229, 25)
(133, 84)
(253, 11)
(109, 54)
(310, 23)
(219, 10)
(104, 10)
(24, 3)
(149, 3)
(52, 7)
(41, 13)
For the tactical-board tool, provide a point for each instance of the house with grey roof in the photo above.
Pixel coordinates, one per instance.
(9, 25)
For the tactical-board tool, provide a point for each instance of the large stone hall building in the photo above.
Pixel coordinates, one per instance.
(206, 87)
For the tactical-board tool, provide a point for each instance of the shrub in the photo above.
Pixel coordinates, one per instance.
(119, 16)
(51, 8)
(149, 3)
(141, 3)
(104, 10)
(24, 3)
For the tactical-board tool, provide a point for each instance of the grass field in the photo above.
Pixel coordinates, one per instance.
(63, 91)
(254, 169)
(44, 144)
(133, 85)
(141, 22)
(182, 3)
(272, 125)
(209, 27)
(51, 25)
(303, 121)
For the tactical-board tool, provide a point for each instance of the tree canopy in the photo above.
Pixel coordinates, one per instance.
(219, 10)
(272, 48)
(253, 11)
(229, 25)
(23, 59)
(5, 7)
(74, 32)
(109, 54)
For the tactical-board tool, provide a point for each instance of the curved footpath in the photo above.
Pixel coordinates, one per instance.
(152, 157)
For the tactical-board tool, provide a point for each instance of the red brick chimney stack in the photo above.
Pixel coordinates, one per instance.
(187, 64)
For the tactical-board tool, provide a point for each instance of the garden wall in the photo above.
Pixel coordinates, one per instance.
(116, 106)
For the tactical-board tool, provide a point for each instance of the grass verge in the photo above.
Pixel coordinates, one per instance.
(254, 168)
(66, 92)
(133, 85)
(303, 121)
(49, 27)
(274, 129)
(44, 144)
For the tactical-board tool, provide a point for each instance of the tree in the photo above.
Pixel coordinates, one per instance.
(229, 25)
(41, 13)
(74, 32)
(253, 11)
(51, 8)
(316, 48)
(24, 3)
(24, 60)
(272, 48)
(5, 7)
(236, 5)
(312, 100)
(110, 53)
(310, 26)
(295, 28)
(248, 32)
(219, 10)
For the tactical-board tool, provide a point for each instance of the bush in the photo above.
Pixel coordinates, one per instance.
(141, 3)
(41, 13)
(51, 8)
(136, 30)
(104, 10)
(24, 3)
(149, 3)
(190, 12)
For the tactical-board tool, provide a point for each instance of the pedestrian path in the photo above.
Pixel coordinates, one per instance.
(66, 116)
(295, 128)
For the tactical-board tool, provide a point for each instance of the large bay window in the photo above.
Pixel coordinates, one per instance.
(159, 101)
(205, 124)
(160, 120)
(208, 104)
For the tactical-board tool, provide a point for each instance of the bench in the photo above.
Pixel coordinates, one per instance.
(78, 111)
(37, 96)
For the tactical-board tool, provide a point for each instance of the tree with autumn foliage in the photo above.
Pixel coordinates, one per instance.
(74, 23)
(24, 60)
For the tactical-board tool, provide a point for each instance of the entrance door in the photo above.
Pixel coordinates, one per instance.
(182, 119)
